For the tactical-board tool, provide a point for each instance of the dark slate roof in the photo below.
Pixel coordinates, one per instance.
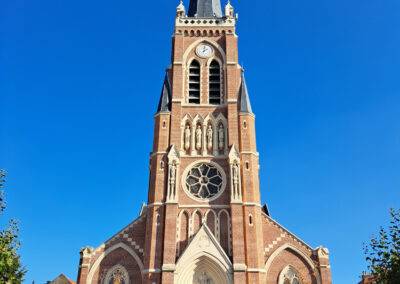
(205, 9)
(245, 105)
(165, 99)
(265, 209)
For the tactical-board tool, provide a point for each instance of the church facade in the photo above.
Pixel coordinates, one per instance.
(204, 222)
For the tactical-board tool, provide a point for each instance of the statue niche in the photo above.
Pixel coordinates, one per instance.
(209, 137)
(187, 136)
(199, 135)
(221, 137)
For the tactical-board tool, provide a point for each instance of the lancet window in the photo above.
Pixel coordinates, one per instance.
(214, 83)
(194, 82)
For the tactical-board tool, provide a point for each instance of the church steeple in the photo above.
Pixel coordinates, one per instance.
(205, 9)
(245, 106)
(164, 104)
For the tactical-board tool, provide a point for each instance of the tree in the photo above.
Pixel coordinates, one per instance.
(383, 252)
(11, 270)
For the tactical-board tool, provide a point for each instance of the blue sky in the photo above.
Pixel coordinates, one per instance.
(80, 81)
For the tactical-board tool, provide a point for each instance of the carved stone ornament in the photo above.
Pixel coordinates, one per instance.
(87, 252)
(322, 252)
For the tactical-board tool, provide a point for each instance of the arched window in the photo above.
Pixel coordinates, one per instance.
(117, 275)
(214, 83)
(194, 82)
(290, 275)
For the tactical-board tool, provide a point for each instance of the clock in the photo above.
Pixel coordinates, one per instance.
(204, 51)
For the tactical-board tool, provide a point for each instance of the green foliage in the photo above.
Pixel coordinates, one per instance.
(383, 252)
(11, 271)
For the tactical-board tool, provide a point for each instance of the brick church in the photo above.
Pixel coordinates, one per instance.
(204, 222)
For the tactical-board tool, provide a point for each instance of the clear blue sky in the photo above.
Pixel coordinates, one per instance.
(80, 82)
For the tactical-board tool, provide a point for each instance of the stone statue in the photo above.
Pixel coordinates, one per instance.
(209, 138)
(221, 137)
(198, 137)
(235, 172)
(203, 279)
(187, 137)
(172, 173)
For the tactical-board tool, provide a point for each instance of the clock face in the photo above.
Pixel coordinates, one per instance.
(204, 51)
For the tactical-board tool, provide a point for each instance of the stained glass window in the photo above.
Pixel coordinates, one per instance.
(204, 181)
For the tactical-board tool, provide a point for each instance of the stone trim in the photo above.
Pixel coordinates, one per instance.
(169, 267)
(280, 227)
(256, 270)
(215, 206)
(151, 270)
(239, 267)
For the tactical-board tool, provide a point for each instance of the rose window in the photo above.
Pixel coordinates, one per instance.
(204, 181)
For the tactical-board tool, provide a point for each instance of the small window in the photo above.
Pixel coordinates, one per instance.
(164, 124)
(245, 124)
(247, 165)
(214, 83)
(250, 220)
(194, 83)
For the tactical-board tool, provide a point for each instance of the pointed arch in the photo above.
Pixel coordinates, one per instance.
(204, 254)
(224, 226)
(304, 256)
(211, 221)
(183, 230)
(211, 42)
(108, 251)
(198, 119)
(197, 220)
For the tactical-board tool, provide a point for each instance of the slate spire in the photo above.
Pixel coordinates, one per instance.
(245, 105)
(205, 9)
(165, 100)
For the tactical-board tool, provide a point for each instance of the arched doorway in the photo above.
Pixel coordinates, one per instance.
(203, 270)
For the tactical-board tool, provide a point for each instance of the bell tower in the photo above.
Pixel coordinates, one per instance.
(203, 222)
(204, 164)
